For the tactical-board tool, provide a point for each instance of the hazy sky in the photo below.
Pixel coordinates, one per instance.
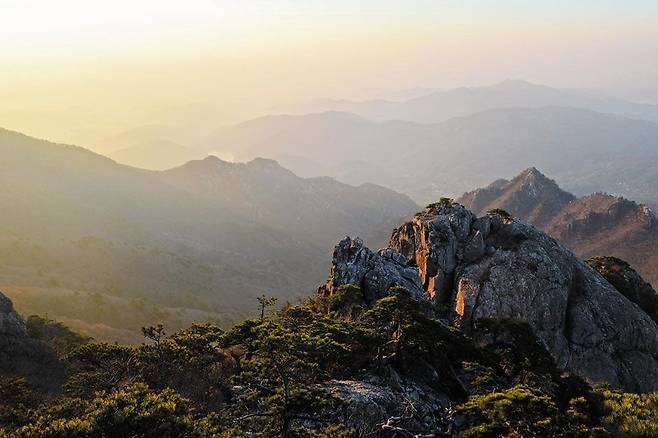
(82, 70)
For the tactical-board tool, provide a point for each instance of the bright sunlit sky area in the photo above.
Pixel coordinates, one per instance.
(81, 70)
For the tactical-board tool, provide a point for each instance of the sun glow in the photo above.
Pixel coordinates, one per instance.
(79, 70)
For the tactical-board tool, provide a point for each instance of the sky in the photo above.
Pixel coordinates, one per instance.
(80, 71)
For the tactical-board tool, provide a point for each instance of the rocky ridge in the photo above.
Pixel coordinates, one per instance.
(499, 267)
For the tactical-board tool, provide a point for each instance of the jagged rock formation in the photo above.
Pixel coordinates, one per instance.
(493, 267)
(437, 244)
(375, 273)
(376, 406)
(598, 224)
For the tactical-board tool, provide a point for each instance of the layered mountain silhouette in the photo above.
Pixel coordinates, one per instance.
(441, 105)
(436, 144)
(586, 151)
(209, 235)
(593, 225)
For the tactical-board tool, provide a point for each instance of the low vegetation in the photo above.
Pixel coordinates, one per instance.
(500, 212)
(270, 376)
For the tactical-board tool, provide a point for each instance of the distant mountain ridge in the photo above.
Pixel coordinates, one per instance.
(454, 140)
(584, 150)
(593, 225)
(442, 105)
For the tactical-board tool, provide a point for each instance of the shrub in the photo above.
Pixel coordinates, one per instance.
(500, 212)
(631, 414)
(134, 411)
(442, 203)
(347, 300)
(518, 411)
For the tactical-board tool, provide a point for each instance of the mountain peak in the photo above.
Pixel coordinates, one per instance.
(210, 162)
(530, 195)
(537, 185)
(532, 171)
(519, 84)
(534, 176)
(213, 159)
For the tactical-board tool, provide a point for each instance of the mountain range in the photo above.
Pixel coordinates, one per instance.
(598, 224)
(585, 150)
(440, 143)
(435, 106)
(198, 241)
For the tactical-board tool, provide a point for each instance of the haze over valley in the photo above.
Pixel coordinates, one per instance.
(208, 236)
(233, 228)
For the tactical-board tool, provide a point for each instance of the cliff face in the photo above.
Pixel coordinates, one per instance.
(374, 273)
(498, 267)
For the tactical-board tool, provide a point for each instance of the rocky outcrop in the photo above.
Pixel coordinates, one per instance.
(375, 273)
(375, 408)
(438, 243)
(584, 322)
(627, 281)
(495, 267)
(600, 213)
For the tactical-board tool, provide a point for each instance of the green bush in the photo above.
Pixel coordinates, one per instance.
(347, 300)
(500, 212)
(631, 414)
(134, 411)
(519, 411)
(266, 376)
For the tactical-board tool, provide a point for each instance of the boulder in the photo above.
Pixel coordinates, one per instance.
(375, 273)
(376, 408)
